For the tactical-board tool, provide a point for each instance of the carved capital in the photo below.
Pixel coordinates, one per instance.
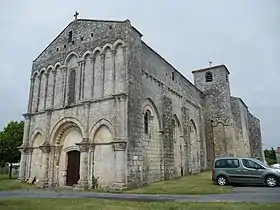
(102, 56)
(113, 52)
(46, 148)
(63, 68)
(24, 149)
(83, 146)
(81, 62)
(120, 146)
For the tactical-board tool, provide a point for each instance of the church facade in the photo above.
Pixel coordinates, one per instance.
(105, 107)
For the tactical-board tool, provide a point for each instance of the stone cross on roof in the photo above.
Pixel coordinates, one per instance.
(76, 15)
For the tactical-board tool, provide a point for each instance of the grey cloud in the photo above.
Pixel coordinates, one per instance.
(244, 35)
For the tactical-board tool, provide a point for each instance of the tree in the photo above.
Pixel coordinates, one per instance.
(270, 156)
(10, 139)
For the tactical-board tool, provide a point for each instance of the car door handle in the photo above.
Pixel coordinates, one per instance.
(238, 170)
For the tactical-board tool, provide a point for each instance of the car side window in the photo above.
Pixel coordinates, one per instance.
(227, 163)
(250, 164)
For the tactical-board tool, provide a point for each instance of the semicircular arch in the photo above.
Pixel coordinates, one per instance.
(62, 126)
(98, 125)
(117, 43)
(70, 55)
(34, 134)
(148, 104)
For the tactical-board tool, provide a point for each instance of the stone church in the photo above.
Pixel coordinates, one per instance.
(105, 107)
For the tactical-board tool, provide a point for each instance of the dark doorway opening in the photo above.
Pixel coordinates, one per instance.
(182, 171)
(73, 168)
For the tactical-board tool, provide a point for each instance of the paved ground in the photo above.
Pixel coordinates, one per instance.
(240, 194)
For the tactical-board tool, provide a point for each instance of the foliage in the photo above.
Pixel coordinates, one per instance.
(10, 139)
(270, 156)
(94, 182)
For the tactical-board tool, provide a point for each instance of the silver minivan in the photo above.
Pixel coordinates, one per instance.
(244, 170)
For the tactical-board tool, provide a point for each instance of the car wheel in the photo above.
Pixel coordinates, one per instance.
(271, 181)
(222, 180)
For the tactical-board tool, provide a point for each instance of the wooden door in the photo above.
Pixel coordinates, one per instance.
(73, 168)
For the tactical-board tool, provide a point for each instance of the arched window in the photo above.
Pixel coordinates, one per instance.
(71, 87)
(208, 76)
(146, 122)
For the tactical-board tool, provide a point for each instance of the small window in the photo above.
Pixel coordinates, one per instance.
(146, 122)
(227, 78)
(82, 38)
(110, 27)
(65, 46)
(227, 163)
(91, 34)
(57, 49)
(73, 42)
(208, 76)
(173, 76)
(70, 36)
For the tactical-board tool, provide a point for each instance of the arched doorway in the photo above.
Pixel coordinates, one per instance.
(73, 168)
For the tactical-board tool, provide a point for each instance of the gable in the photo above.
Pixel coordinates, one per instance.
(80, 36)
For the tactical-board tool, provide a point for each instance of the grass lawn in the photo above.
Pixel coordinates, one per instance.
(195, 184)
(76, 204)
(11, 184)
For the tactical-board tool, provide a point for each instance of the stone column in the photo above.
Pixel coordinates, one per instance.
(93, 73)
(30, 102)
(46, 89)
(84, 147)
(120, 148)
(113, 52)
(45, 164)
(81, 65)
(54, 86)
(64, 71)
(24, 148)
(23, 163)
(103, 73)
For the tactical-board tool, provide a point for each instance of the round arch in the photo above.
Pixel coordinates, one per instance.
(57, 65)
(34, 74)
(34, 133)
(117, 43)
(96, 50)
(99, 124)
(87, 53)
(62, 126)
(50, 68)
(106, 46)
(42, 71)
(70, 55)
(148, 104)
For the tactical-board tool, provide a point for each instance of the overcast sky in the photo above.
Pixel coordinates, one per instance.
(242, 34)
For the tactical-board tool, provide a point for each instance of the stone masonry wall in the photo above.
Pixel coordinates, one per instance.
(255, 136)
(239, 111)
(170, 92)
